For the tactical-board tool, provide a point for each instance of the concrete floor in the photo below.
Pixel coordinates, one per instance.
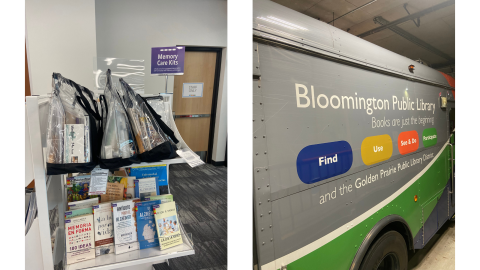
(439, 253)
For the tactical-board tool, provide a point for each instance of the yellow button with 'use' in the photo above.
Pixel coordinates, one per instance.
(376, 149)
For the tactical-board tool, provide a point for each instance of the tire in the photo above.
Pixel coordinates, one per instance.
(389, 252)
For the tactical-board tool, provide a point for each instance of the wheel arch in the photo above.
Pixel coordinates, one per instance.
(388, 223)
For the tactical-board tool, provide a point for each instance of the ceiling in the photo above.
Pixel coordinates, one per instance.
(436, 29)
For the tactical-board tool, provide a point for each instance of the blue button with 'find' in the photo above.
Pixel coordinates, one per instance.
(322, 161)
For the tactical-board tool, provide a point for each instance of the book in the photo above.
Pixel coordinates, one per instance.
(163, 198)
(79, 239)
(146, 229)
(103, 224)
(78, 187)
(78, 212)
(74, 143)
(130, 187)
(124, 227)
(145, 187)
(114, 192)
(168, 226)
(82, 204)
(158, 171)
(125, 182)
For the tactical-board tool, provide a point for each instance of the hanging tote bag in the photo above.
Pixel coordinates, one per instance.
(70, 131)
(153, 144)
(118, 146)
(158, 113)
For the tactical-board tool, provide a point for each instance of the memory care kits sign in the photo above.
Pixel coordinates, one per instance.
(168, 60)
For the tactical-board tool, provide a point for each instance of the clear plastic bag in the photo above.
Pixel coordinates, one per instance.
(159, 106)
(148, 133)
(69, 146)
(68, 135)
(118, 146)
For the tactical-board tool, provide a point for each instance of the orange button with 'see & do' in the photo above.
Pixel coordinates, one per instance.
(408, 142)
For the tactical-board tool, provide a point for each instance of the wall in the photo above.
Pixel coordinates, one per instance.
(129, 29)
(60, 38)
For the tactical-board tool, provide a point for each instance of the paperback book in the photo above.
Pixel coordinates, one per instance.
(103, 224)
(82, 204)
(168, 227)
(125, 230)
(145, 187)
(146, 229)
(79, 239)
(78, 212)
(157, 171)
(163, 198)
(74, 142)
(114, 192)
(78, 187)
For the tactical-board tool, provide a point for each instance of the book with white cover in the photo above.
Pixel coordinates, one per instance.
(147, 187)
(125, 229)
(82, 204)
(103, 224)
(74, 142)
(79, 239)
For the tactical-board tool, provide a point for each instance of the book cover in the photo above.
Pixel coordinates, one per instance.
(82, 204)
(78, 187)
(145, 187)
(131, 187)
(78, 212)
(79, 239)
(146, 229)
(103, 224)
(114, 192)
(124, 227)
(163, 198)
(168, 226)
(158, 171)
(74, 143)
(127, 181)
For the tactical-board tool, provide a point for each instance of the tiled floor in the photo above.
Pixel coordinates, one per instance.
(201, 195)
(439, 253)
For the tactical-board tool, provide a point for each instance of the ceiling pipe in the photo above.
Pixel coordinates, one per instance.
(407, 18)
(353, 10)
(413, 39)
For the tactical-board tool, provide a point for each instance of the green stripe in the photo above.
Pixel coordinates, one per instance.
(340, 252)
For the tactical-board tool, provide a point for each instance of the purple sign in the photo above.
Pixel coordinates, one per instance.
(168, 60)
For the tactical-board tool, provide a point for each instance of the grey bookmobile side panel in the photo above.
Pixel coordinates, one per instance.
(261, 182)
(289, 128)
(255, 62)
(297, 215)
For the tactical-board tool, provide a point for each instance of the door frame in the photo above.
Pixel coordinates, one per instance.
(216, 84)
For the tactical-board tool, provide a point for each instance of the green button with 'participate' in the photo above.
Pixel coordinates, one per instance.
(429, 137)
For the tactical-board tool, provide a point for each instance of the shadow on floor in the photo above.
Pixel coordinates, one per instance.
(439, 253)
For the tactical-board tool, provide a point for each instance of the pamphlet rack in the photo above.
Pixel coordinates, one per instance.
(51, 193)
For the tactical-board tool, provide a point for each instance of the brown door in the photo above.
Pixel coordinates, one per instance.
(199, 68)
(26, 80)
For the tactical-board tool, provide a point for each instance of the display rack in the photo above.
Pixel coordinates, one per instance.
(51, 193)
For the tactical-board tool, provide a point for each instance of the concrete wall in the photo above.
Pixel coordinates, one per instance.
(129, 29)
(60, 38)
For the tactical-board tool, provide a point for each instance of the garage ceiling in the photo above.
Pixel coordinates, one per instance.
(436, 30)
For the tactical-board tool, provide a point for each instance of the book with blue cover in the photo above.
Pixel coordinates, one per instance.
(157, 171)
(146, 230)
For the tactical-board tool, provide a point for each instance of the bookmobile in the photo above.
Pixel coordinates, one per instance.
(353, 147)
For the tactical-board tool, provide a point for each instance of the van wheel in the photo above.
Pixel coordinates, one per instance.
(389, 252)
